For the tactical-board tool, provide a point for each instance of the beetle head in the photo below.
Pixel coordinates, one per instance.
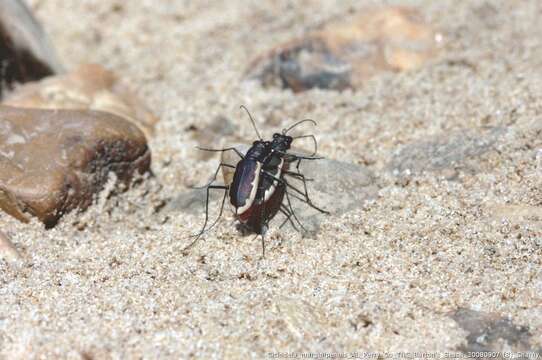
(281, 142)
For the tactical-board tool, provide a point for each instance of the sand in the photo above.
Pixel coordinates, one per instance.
(383, 277)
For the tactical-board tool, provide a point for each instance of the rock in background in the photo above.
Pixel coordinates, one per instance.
(25, 51)
(345, 53)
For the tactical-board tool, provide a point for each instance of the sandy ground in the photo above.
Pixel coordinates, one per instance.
(384, 277)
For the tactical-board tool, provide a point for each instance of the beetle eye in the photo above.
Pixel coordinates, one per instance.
(275, 136)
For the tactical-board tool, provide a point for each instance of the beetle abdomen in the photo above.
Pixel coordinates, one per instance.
(261, 212)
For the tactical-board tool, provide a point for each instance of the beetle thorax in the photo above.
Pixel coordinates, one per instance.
(259, 150)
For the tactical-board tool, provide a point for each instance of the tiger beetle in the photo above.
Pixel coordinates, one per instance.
(260, 185)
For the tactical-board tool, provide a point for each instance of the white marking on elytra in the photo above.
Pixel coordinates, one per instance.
(269, 192)
(253, 191)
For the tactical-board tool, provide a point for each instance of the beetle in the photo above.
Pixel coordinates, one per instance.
(259, 184)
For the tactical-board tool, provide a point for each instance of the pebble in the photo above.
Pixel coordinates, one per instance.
(345, 53)
(445, 153)
(491, 332)
(53, 161)
(8, 252)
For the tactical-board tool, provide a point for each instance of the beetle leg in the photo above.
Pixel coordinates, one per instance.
(263, 242)
(283, 181)
(306, 199)
(222, 150)
(293, 212)
(264, 221)
(310, 204)
(203, 230)
(299, 176)
(296, 175)
(294, 157)
(284, 210)
(214, 176)
(303, 177)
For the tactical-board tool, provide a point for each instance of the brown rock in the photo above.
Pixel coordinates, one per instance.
(25, 53)
(90, 87)
(345, 53)
(54, 161)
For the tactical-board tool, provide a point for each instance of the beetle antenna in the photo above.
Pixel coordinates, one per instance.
(313, 139)
(285, 131)
(252, 121)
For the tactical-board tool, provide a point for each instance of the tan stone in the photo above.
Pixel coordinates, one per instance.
(52, 161)
(347, 52)
(90, 87)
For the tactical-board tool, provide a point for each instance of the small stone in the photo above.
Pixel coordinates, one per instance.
(344, 54)
(300, 317)
(516, 213)
(89, 87)
(220, 128)
(491, 332)
(25, 51)
(445, 153)
(192, 201)
(52, 162)
(8, 251)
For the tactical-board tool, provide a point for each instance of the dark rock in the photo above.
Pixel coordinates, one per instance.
(491, 333)
(444, 152)
(346, 53)
(54, 161)
(306, 64)
(25, 52)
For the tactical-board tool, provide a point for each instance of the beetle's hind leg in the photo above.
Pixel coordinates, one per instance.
(214, 176)
(299, 176)
(286, 212)
(293, 212)
(305, 197)
(204, 228)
